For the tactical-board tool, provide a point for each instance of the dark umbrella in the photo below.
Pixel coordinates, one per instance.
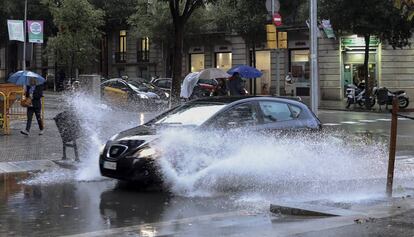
(245, 71)
(22, 78)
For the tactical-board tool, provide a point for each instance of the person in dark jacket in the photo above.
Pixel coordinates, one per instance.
(235, 85)
(35, 92)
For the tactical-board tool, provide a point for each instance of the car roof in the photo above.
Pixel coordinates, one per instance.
(232, 99)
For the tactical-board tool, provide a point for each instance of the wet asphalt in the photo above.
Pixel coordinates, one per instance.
(69, 207)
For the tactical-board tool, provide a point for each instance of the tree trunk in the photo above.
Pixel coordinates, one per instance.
(368, 83)
(177, 62)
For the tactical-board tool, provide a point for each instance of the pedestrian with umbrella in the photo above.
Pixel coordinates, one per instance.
(33, 95)
(236, 85)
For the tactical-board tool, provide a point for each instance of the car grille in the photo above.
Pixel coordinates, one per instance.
(116, 151)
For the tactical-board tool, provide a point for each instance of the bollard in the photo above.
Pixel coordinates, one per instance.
(393, 144)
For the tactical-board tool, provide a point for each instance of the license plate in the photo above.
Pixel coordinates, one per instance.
(109, 165)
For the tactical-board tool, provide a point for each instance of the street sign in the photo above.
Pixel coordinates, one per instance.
(277, 19)
(271, 36)
(16, 30)
(35, 30)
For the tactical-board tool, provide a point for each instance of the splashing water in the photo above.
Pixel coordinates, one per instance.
(98, 122)
(250, 164)
(210, 163)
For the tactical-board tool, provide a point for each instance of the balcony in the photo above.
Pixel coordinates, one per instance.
(120, 57)
(143, 56)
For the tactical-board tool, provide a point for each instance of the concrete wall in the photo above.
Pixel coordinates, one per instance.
(329, 69)
(397, 69)
(283, 69)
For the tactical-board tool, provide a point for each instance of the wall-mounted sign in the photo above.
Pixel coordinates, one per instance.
(327, 28)
(359, 41)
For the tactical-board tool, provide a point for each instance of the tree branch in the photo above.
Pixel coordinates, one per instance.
(173, 10)
(195, 4)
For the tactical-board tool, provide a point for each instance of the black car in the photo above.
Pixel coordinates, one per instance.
(130, 155)
(162, 83)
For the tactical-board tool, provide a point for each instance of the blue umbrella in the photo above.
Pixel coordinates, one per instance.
(22, 78)
(245, 71)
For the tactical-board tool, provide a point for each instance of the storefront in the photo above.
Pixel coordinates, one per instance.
(261, 86)
(196, 59)
(352, 58)
(300, 70)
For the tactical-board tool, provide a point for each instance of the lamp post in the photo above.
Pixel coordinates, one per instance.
(24, 35)
(314, 56)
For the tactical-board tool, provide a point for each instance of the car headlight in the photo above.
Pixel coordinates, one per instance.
(146, 152)
(101, 149)
(142, 96)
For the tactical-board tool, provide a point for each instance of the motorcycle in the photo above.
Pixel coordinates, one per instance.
(385, 96)
(356, 95)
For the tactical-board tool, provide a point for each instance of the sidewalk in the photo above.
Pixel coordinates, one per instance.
(20, 153)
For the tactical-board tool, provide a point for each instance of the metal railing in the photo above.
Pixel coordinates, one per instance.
(3, 113)
(120, 57)
(11, 109)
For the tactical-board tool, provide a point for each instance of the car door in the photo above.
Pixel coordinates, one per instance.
(116, 92)
(240, 116)
(280, 116)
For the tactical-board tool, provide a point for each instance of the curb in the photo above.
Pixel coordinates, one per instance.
(15, 167)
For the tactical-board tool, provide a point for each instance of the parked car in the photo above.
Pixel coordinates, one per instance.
(146, 86)
(130, 155)
(162, 83)
(122, 93)
(204, 88)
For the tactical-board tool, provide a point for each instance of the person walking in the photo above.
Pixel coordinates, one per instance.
(35, 93)
(235, 85)
(221, 89)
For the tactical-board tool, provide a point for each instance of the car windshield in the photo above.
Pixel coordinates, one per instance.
(190, 115)
(138, 86)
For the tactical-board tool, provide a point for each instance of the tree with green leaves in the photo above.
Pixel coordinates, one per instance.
(79, 25)
(247, 18)
(161, 19)
(368, 18)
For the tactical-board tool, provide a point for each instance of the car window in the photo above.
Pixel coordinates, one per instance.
(296, 111)
(119, 85)
(278, 111)
(163, 84)
(238, 116)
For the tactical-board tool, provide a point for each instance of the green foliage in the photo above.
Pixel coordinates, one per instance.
(155, 21)
(245, 17)
(368, 17)
(117, 12)
(294, 11)
(78, 23)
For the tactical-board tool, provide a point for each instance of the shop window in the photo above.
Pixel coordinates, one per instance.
(300, 69)
(224, 61)
(196, 62)
(143, 50)
(120, 56)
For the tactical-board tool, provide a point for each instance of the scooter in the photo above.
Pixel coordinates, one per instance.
(403, 100)
(356, 95)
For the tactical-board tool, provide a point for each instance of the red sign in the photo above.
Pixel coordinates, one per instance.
(277, 19)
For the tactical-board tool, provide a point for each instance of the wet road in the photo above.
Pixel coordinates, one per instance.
(33, 206)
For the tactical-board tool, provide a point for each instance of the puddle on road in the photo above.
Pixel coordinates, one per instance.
(207, 173)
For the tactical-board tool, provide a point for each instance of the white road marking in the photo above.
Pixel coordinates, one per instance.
(384, 120)
(350, 122)
(367, 121)
(331, 124)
